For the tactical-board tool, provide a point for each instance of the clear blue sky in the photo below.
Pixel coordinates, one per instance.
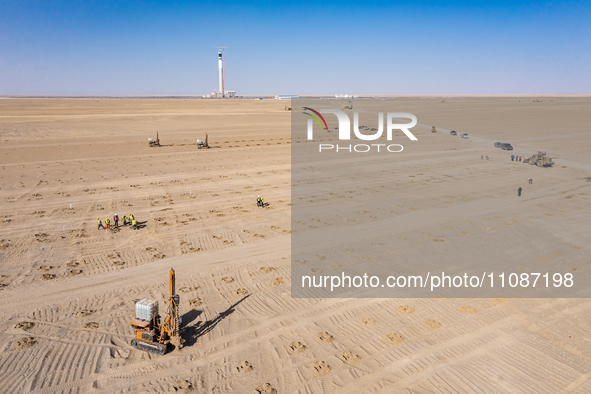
(283, 47)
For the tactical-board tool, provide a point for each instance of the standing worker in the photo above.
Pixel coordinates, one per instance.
(134, 224)
(124, 220)
(116, 220)
(131, 217)
(100, 224)
(259, 201)
(512, 157)
(519, 191)
(108, 222)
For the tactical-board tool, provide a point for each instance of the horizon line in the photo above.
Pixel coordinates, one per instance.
(173, 96)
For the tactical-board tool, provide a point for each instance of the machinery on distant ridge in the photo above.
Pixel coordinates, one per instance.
(151, 334)
(153, 142)
(201, 144)
(433, 129)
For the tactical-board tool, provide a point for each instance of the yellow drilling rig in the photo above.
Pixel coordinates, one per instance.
(154, 142)
(201, 144)
(151, 334)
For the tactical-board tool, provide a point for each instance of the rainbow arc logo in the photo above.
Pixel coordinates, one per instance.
(316, 118)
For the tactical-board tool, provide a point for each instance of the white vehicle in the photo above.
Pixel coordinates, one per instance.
(465, 135)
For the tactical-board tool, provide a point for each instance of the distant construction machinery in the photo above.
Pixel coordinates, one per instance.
(433, 129)
(154, 143)
(541, 159)
(151, 334)
(201, 144)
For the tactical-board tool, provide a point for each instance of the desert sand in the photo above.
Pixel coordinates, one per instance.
(67, 290)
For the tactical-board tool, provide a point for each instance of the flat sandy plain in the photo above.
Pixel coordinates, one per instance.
(68, 290)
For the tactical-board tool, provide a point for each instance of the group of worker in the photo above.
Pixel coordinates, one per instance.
(131, 220)
(515, 158)
(260, 202)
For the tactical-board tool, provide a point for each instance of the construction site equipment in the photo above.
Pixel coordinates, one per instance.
(541, 159)
(287, 108)
(433, 129)
(153, 142)
(151, 333)
(201, 144)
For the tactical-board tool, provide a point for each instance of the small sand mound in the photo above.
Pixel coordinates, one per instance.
(266, 270)
(24, 343)
(45, 268)
(324, 337)
(243, 367)
(73, 264)
(348, 357)
(367, 322)
(48, 276)
(183, 387)
(432, 324)
(91, 325)
(74, 272)
(25, 325)
(227, 279)
(241, 292)
(278, 281)
(468, 309)
(159, 256)
(265, 388)
(195, 302)
(296, 348)
(119, 263)
(320, 368)
(406, 309)
(85, 312)
(393, 339)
